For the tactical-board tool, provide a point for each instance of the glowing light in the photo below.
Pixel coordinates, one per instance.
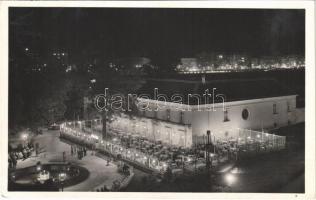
(24, 136)
(62, 176)
(26, 49)
(230, 178)
(94, 136)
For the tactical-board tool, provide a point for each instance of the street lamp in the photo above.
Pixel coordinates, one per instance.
(24, 138)
(61, 178)
(208, 132)
(38, 166)
(230, 179)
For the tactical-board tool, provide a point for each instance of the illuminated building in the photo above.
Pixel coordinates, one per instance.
(249, 104)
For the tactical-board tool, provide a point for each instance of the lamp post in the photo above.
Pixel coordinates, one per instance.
(183, 164)
(38, 166)
(208, 132)
(61, 178)
(24, 138)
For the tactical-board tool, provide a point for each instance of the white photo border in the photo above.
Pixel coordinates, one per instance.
(310, 169)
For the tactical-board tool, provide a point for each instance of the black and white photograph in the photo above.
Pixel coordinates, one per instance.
(157, 99)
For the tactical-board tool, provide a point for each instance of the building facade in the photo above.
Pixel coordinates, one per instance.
(185, 124)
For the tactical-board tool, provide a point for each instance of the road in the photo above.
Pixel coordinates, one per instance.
(51, 149)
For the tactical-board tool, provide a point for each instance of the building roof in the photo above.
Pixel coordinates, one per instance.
(232, 90)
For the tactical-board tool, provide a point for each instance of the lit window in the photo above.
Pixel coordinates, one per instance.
(144, 110)
(288, 105)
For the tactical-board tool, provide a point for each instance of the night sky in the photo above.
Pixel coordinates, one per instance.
(164, 35)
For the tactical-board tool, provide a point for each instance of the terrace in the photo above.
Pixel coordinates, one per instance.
(158, 156)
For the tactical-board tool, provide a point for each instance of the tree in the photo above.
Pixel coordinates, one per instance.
(119, 84)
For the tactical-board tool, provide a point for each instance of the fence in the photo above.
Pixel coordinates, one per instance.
(265, 141)
(245, 142)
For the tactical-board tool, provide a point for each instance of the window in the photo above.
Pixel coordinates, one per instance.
(226, 134)
(181, 117)
(245, 114)
(275, 125)
(168, 114)
(144, 110)
(275, 108)
(226, 115)
(288, 105)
